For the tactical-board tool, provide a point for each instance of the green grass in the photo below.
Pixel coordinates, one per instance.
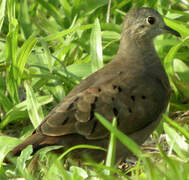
(47, 47)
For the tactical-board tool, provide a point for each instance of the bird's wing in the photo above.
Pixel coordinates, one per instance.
(76, 114)
(136, 101)
(108, 72)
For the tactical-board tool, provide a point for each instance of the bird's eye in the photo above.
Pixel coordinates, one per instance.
(151, 20)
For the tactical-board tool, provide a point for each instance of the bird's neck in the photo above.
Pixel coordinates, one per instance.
(137, 50)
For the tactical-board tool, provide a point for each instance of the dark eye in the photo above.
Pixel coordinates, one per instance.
(151, 20)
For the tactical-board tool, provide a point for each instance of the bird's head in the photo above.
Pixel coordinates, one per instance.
(144, 24)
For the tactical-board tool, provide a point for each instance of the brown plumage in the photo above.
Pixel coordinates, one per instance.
(133, 87)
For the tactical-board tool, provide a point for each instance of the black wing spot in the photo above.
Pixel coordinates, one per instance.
(99, 89)
(93, 106)
(143, 97)
(91, 115)
(119, 89)
(130, 110)
(118, 122)
(94, 127)
(133, 98)
(115, 111)
(76, 99)
(70, 106)
(65, 121)
(95, 100)
(114, 86)
(142, 26)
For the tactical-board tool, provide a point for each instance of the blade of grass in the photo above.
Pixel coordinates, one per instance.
(80, 147)
(176, 126)
(67, 31)
(6, 147)
(23, 57)
(168, 62)
(111, 154)
(19, 111)
(52, 10)
(175, 172)
(21, 162)
(34, 109)
(48, 60)
(2, 12)
(177, 142)
(181, 86)
(96, 47)
(5, 102)
(24, 18)
(11, 44)
(127, 142)
(179, 26)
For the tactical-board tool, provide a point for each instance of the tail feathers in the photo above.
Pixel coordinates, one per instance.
(35, 140)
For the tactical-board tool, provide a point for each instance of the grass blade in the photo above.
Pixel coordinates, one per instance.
(96, 47)
(128, 142)
(34, 109)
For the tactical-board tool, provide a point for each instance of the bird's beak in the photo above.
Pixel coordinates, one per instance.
(167, 29)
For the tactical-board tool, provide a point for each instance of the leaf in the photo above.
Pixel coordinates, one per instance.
(52, 10)
(78, 173)
(96, 47)
(22, 162)
(67, 8)
(23, 57)
(182, 70)
(168, 61)
(81, 69)
(34, 109)
(11, 46)
(178, 26)
(25, 18)
(177, 142)
(91, 6)
(81, 146)
(19, 111)
(110, 35)
(111, 154)
(48, 57)
(2, 12)
(6, 147)
(127, 142)
(177, 126)
(67, 31)
(181, 86)
(43, 151)
(24, 156)
(5, 102)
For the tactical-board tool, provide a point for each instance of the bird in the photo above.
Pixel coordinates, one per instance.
(133, 87)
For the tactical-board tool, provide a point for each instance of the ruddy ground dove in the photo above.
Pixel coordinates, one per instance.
(133, 87)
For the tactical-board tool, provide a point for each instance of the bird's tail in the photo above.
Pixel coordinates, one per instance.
(35, 140)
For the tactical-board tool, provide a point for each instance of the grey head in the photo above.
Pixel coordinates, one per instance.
(145, 24)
